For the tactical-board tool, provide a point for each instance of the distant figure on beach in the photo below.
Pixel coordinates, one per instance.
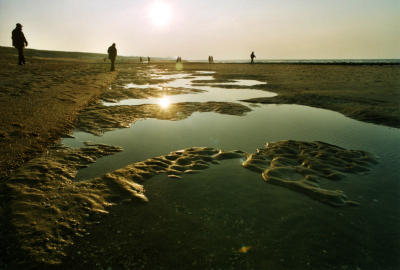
(148, 59)
(141, 60)
(210, 59)
(179, 59)
(112, 54)
(19, 42)
(252, 56)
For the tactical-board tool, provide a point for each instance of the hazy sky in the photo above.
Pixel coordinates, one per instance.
(274, 29)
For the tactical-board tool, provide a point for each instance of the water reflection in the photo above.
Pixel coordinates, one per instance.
(211, 91)
(164, 102)
(142, 86)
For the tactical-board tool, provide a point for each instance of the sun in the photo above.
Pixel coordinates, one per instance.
(160, 13)
(164, 102)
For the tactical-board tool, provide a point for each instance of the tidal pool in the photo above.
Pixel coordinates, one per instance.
(227, 217)
(152, 137)
(211, 90)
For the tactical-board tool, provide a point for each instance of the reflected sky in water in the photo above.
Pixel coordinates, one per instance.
(211, 90)
(152, 137)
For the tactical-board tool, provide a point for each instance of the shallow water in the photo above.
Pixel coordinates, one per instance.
(232, 208)
(211, 91)
(152, 137)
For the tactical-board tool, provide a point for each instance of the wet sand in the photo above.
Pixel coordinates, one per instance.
(40, 101)
(51, 97)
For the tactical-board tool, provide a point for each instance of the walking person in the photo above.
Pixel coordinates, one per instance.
(19, 42)
(252, 56)
(112, 54)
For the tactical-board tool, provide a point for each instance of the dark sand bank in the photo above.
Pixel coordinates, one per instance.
(51, 221)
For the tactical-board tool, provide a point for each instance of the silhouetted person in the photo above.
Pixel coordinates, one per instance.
(19, 42)
(112, 54)
(252, 56)
(148, 59)
(141, 60)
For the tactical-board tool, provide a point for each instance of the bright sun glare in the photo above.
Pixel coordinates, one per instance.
(164, 102)
(160, 13)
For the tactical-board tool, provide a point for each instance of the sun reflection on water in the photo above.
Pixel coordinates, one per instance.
(164, 102)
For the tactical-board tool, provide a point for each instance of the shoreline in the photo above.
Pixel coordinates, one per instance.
(288, 62)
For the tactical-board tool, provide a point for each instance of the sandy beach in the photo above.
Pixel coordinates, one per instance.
(51, 220)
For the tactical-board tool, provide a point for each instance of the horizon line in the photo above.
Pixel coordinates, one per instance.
(221, 59)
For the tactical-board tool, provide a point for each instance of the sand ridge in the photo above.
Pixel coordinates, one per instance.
(46, 206)
(302, 167)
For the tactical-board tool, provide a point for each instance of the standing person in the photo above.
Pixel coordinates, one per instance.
(252, 56)
(148, 59)
(19, 42)
(112, 54)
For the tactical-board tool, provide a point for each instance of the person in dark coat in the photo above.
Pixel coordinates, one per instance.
(252, 56)
(19, 42)
(112, 54)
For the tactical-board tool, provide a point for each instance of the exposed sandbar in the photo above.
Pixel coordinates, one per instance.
(303, 166)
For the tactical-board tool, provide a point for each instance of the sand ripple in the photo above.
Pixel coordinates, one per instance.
(302, 166)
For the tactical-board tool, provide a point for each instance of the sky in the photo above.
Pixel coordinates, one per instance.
(273, 29)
